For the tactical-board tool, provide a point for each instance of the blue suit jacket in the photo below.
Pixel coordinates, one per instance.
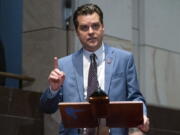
(120, 82)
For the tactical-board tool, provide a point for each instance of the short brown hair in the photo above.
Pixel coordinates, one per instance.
(86, 10)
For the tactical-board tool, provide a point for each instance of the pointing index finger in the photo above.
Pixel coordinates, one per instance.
(55, 62)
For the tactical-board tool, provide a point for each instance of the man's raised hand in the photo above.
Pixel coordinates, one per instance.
(56, 77)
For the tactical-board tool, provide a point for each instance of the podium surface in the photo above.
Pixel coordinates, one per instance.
(118, 114)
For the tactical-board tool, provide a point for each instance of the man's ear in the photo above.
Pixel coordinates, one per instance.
(103, 27)
(77, 33)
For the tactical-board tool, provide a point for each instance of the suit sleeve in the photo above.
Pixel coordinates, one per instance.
(49, 100)
(49, 103)
(134, 93)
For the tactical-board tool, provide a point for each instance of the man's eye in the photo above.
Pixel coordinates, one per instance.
(95, 26)
(84, 27)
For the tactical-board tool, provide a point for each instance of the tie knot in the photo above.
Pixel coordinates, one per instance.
(93, 57)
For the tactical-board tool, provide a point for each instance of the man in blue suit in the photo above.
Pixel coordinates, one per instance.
(68, 81)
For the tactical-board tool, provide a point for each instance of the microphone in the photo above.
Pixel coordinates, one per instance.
(99, 101)
(98, 93)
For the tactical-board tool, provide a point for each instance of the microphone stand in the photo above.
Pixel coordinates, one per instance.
(99, 101)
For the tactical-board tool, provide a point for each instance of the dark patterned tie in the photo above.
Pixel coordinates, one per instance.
(92, 77)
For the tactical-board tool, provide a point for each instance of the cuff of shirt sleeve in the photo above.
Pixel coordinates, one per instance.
(144, 109)
(52, 93)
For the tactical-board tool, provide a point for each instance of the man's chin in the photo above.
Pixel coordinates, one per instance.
(93, 43)
(92, 47)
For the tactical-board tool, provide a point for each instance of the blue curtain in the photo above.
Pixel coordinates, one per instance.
(11, 36)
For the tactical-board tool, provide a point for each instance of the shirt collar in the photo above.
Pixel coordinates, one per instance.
(99, 53)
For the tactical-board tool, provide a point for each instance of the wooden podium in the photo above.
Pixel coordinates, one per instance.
(120, 114)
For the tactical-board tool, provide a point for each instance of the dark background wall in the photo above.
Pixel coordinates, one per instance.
(11, 36)
(164, 121)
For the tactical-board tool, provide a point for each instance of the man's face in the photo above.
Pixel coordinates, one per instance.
(90, 31)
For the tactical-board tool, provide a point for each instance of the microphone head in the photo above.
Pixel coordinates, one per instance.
(99, 97)
(98, 93)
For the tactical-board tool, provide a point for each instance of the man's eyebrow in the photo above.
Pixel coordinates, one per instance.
(90, 24)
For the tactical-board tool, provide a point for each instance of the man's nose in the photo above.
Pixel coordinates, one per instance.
(90, 31)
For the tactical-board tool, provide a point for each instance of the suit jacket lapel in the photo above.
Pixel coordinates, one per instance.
(78, 70)
(109, 62)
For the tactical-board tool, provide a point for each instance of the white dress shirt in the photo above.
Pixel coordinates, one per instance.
(100, 53)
